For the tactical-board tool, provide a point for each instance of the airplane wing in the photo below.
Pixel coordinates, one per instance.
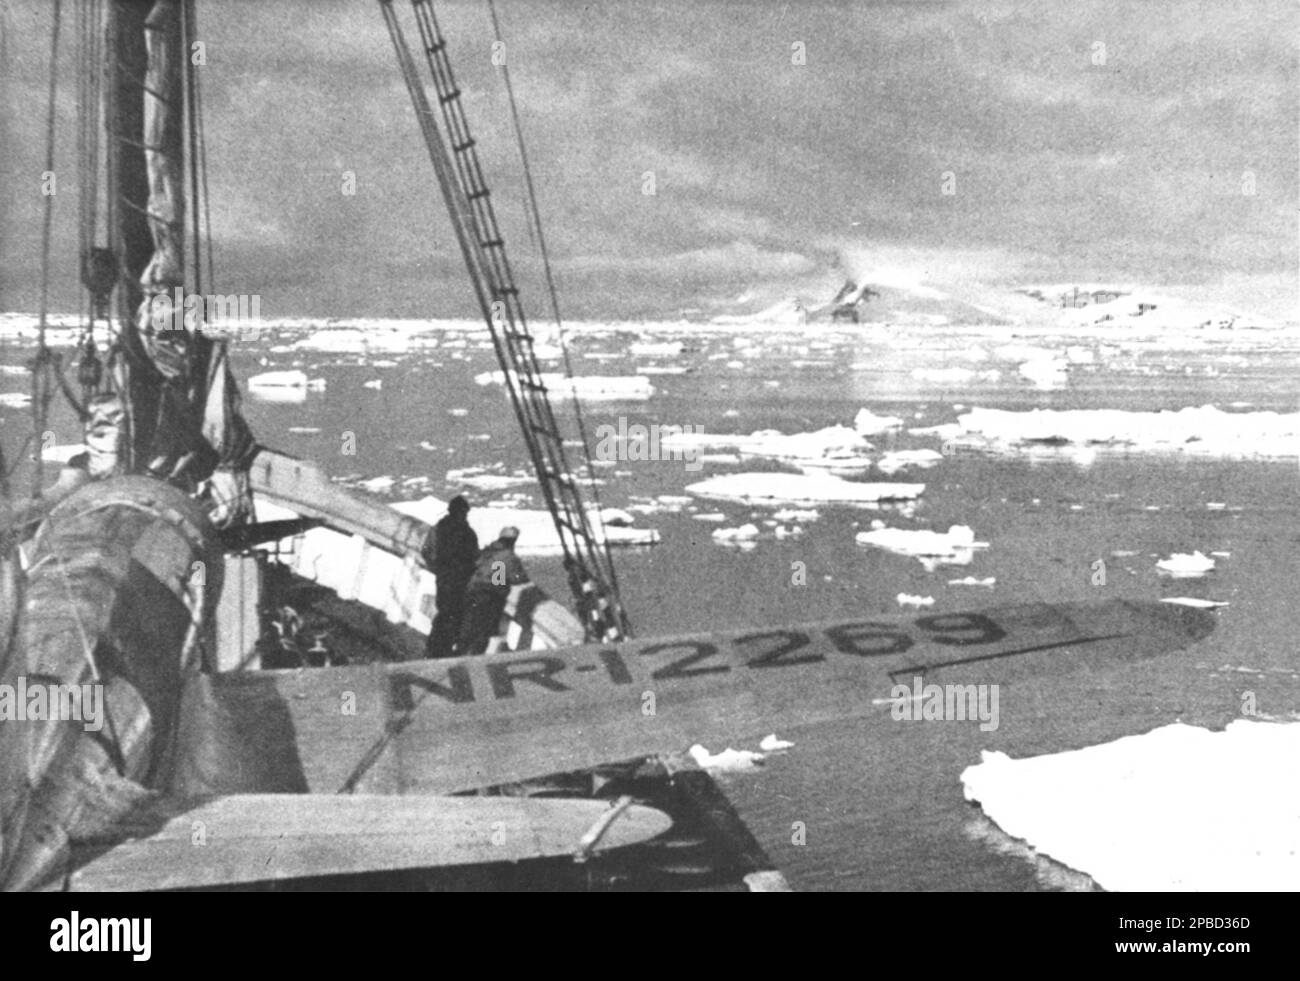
(431, 727)
(256, 837)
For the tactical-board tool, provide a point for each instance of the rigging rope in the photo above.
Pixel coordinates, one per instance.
(188, 82)
(535, 228)
(98, 265)
(460, 177)
(40, 381)
(202, 158)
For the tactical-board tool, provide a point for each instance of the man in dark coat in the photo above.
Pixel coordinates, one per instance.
(449, 553)
(498, 568)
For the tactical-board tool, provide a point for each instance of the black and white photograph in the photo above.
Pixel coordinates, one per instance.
(524, 446)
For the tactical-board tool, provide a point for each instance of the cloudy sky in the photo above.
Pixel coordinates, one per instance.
(1089, 142)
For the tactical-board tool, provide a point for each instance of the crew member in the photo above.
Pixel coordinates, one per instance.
(498, 568)
(450, 553)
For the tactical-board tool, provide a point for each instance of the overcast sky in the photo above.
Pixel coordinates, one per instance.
(1086, 142)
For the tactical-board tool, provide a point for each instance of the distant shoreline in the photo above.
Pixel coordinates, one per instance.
(23, 326)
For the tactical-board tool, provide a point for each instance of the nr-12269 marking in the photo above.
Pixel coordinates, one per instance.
(764, 649)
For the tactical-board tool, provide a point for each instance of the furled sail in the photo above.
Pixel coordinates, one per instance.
(178, 392)
(163, 149)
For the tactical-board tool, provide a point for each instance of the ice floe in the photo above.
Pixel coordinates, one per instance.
(729, 760)
(290, 385)
(485, 479)
(956, 546)
(1200, 604)
(955, 376)
(376, 485)
(771, 743)
(656, 349)
(1149, 812)
(907, 599)
(610, 388)
(1049, 873)
(892, 463)
(1181, 564)
(397, 337)
(837, 450)
(784, 488)
(1045, 373)
(988, 582)
(1203, 431)
(797, 514)
(868, 423)
(745, 533)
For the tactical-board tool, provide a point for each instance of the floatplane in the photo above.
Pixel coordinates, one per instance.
(148, 572)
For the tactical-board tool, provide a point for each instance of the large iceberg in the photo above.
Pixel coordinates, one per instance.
(1177, 809)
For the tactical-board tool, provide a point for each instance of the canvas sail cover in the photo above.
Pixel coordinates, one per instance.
(185, 421)
(163, 149)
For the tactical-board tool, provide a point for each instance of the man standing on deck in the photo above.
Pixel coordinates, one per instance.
(450, 553)
(498, 568)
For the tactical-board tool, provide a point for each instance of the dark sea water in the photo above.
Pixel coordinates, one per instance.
(881, 800)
